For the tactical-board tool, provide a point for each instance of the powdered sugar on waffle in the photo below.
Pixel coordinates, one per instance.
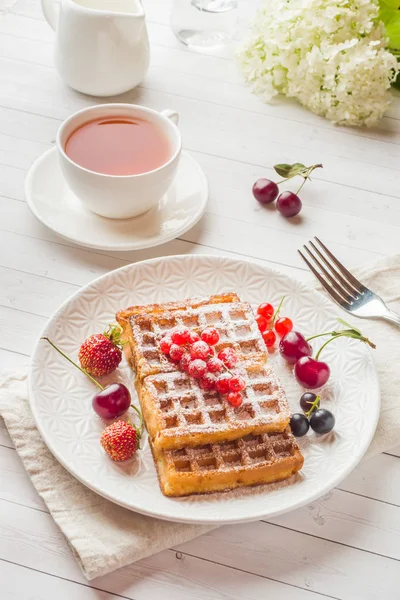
(186, 408)
(234, 322)
(182, 407)
(238, 454)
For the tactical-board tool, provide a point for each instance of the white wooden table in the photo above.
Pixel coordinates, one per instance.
(346, 545)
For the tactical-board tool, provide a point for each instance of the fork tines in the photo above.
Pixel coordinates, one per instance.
(335, 278)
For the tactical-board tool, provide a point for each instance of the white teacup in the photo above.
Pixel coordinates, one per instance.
(120, 196)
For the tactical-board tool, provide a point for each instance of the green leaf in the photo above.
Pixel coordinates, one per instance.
(287, 171)
(393, 32)
(282, 169)
(298, 168)
(390, 14)
(343, 322)
(394, 4)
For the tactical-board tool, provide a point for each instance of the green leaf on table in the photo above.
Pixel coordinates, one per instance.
(282, 169)
(286, 171)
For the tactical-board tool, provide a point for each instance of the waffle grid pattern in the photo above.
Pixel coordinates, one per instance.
(234, 321)
(249, 451)
(183, 404)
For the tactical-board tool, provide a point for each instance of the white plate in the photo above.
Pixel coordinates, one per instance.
(53, 203)
(60, 396)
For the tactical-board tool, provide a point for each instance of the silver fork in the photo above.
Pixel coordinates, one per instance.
(343, 287)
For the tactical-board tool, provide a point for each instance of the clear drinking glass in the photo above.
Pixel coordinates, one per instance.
(204, 23)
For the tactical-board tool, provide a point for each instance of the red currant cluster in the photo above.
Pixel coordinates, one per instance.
(196, 356)
(267, 320)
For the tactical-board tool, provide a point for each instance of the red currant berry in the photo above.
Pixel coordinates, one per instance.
(176, 352)
(266, 310)
(200, 350)
(283, 326)
(235, 399)
(269, 338)
(222, 384)
(194, 337)
(208, 381)
(210, 336)
(237, 383)
(180, 336)
(185, 362)
(214, 365)
(228, 357)
(262, 323)
(165, 344)
(197, 368)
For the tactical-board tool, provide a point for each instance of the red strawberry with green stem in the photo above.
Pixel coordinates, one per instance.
(101, 353)
(120, 440)
(112, 400)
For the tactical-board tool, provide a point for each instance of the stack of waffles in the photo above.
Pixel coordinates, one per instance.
(201, 443)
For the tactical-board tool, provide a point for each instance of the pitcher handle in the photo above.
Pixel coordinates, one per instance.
(50, 13)
(171, 114)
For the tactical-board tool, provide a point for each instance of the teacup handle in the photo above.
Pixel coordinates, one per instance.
(171, 114)
(50, 13)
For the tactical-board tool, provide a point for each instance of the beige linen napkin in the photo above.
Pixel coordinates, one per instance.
(104, 536)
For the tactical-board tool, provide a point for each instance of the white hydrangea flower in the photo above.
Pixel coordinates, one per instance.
(328, 54)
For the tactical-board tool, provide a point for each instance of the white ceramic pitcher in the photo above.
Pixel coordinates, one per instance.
(102, 47)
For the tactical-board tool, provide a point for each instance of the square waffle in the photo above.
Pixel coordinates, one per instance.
(178, 412)
(248, 461)
(144, 326)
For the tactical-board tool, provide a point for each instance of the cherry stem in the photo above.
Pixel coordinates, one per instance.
(278, 310)
(305, 174)
(73, 363)
(345, 333)
(313, 337)
(301, 186)
(323, 346)
(354, 334)
(313, 405)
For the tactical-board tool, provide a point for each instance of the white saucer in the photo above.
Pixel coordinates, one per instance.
(53, 203)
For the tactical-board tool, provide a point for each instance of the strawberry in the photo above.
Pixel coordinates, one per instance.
(120, 440)
(100, 354)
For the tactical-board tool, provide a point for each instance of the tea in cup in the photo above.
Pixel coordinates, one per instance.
(119, 159)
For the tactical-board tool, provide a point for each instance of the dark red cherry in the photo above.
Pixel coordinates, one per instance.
(112, 402)
(288, 204)
(265, 190)
(311, 373)
(293, 346)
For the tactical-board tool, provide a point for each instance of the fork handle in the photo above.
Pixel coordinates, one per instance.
(392, 317)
